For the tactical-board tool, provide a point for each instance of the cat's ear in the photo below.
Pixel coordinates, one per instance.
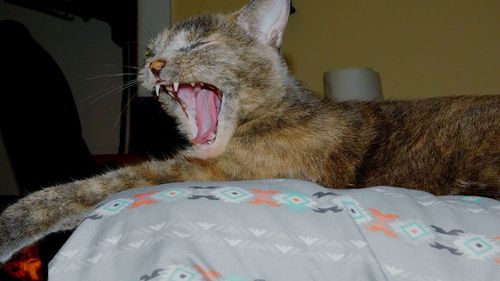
(265, 20)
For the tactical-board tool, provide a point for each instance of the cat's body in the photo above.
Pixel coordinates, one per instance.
(248, 118)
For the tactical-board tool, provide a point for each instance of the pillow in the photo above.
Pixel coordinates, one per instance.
(282, 230)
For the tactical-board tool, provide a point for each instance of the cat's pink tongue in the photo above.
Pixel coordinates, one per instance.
(206, 106)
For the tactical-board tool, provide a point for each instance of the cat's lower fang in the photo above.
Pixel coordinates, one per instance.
(212, 139)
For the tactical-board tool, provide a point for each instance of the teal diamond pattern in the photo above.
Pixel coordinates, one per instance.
(478, 246)
(415, 230)
(294, 200)
(182, 275)
(471, 199)
(116, 205)
(170, 194)
(354, 210)
(233, 195)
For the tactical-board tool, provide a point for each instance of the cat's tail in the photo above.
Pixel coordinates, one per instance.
(482, 177)
(471, 188)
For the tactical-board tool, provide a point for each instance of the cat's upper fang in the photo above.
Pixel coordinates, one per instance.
(157, 87)
(201, 104)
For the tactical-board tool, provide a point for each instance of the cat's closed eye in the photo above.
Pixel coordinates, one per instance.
(194, 45)
(149, 53)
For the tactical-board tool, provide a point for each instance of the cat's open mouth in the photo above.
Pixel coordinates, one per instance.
(201, 102)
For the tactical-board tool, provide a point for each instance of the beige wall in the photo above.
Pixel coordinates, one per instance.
(420, 48)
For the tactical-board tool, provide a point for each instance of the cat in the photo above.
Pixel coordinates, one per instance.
(223, 78)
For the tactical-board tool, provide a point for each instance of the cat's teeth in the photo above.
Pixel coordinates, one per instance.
(176, 86)
(193, 84)
(211, 139)
(157, 90)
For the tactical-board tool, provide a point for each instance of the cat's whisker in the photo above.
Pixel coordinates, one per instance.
(144, 28)
(106, 76)
(110, 90)
(151, 31)
(126, 86)
(127, 106)
(113, 88)
(136, 43)
(120, 65)
(149, 34)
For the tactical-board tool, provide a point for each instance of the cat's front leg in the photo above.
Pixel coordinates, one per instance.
(63, 207)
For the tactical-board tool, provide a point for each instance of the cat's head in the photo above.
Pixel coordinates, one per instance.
(212, 71)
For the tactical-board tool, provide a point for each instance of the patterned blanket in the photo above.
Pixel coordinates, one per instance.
(283, 230)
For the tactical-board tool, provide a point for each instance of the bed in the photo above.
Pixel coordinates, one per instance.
(282, 230)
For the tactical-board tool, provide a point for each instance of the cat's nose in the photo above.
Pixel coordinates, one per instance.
(156, 66)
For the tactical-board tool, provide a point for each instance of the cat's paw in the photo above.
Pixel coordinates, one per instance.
(8, 246)
(13, 232)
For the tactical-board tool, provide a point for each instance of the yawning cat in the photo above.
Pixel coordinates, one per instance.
(224, 80)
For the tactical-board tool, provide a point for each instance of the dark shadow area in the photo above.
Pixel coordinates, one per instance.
(39, 121)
